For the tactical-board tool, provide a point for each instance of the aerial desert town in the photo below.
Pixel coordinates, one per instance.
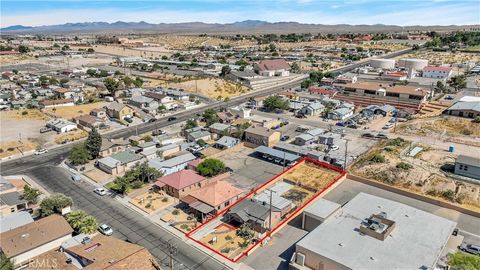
(172, 143)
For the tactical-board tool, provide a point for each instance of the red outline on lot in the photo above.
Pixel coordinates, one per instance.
(342, 173)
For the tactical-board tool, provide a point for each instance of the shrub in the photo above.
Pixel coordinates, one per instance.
(228, 238)
(148, 205)
(404, 166)
(388, 149)
(175, 212)
(183, 226)
(449, 195)
(137, 184)
(164, 199)
(467, 131)
(10, 149)
(378, 159)
(225, 250)
(24, 113)
(397, 142)
(1, 150)
(462, 261)
(476, 120)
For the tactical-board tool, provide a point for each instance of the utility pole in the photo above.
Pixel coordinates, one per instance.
(172, 251)
(271, 210)
(346, 154)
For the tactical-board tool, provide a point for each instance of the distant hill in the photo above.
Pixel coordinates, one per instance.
(248, 26)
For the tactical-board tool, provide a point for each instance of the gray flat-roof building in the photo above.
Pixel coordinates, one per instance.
(370, 232)
(468, 166)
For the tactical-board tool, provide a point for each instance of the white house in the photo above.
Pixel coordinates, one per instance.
(340, 114)
(313, 108)
(61, 125)
(437, 72)
(172, 165)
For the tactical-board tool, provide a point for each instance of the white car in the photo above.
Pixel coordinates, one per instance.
(334, 147)
(388, 126)
(41, 151)
(100, 191)
(105, 229)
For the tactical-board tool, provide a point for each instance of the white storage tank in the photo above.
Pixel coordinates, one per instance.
(383, 63)
(412, 64)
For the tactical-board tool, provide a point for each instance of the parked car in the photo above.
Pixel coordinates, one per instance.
(41, 151)
(158, 132)
(171, 118)
(473, 249)
(381, 136)
(388, 126)
(392, 120)
(100, 191)
(368, 135)
(449, 97)
(284, 138)
(105, 229)
(45, 129)
(151, 120)
(76, 178)
(334, 147)
(128, 119)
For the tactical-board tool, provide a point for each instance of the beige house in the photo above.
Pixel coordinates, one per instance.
(119, 110)
(256, 135)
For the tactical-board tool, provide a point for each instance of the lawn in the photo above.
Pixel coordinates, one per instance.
(70, 112)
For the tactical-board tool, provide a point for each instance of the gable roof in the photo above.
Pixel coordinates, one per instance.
(33, 235)
(273, 64)
(249, 209)
(172, 162)
(115, 106)
(180, 179)
(155, 95)
(468, 106)
(216, 193)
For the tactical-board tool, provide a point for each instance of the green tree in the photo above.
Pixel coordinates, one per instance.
(112, 85)
(128, 81)
(458, 82)
(225, 70)
(138, 82)
(91, 72)
(23, 49)
(476, 120)
(275, 103)
(121, 185)
(31, 194)
(79, 155)
(306, 83)
(90, 50)
(211, 167)
(210, 116)
(53, 81)
(117, 73)
(147, 138)
(82, 222)
(5, 263)
(191, 123)
(245, 232)
(54, 204)
(93, 144)
(462, 261)
(64, 81)
(295, 68)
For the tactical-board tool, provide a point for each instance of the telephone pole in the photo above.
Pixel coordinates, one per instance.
(172, 251)
(346, 154)
(271, 210)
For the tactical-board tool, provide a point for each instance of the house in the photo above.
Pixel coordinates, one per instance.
(468, 166)
(118, 110)
(181, 183)
(199, 135)
(98, 252)
(394, 76)
(99, 113)
(110, 147)
(118, 163)
(15, 220)
(313, 108)
(167, 150)
(304, 139)
(340, 114)
(257, 135)
(144, 103)
(51, 103)
(160, 98)
(464, 109)
(282, 204)
(226, 142)
(240, 112)
(212, 198)
(320, 91)
(177, 95)
(219, 128)
(148, 150)
(30, 240)
(172, 165)
(370, 232)
(254, 213)
(273, 67)
(61, 125)
(225, 117)
(87, 121)
(437, 72)
(12, 202)
(383, 110)
(316, 213)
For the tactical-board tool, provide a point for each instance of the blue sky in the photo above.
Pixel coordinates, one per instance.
(420, 12)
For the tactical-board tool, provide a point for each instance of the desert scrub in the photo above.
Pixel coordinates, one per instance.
(377, 158)
(404, 166)
(175, 212)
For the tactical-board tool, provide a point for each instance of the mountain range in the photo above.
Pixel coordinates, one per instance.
(248, 26)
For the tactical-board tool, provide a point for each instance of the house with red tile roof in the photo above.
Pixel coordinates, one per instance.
(181, 183)
(212, 198)
(320, 91)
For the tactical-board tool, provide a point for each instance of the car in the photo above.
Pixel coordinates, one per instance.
(45, 129)
(151, 120)
(284, 138)
(105, 229)
(128, 119)
(100, 191)
(388, 126)
(158, 132)
(368, 135)
(76, 178)
(171, 118)
(334, 147)
(381, 136)
(449, 97)
(41, 151)
(352, 126)
(473, 249)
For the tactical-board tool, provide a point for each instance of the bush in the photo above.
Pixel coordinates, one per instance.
(388, 149)
(228, 238)
(183, 226)
(397, 142)
(449, 195)
(476, 120)
(137, 184)
(378, 159)
(462, 261)
(467, 132)
(404, 166)
(211, 167)
(24, 113)
(225, 250)
(165, 199)
(175, 212)
(148, 205)
(10, 149)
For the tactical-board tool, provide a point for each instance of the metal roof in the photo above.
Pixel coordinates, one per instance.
(169, 163)
(468, 106)
(12, 198)
(15, 220)
(468, 160)
(277, 153)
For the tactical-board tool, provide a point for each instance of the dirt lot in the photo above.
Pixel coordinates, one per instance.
(444, 57)
(211, 87)
(227, 241)
(177, 42)
(388, 162)
(311, 175)
(440, 126)
(70, 112)
(151, 201)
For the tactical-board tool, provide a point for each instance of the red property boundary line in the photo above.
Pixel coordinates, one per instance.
(342, 174)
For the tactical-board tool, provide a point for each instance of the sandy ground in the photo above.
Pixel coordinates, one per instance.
(12, 123)
(211, 87)
(311, 175)
(443, 57)
(74, 111)
(127, 52)
(441, 127)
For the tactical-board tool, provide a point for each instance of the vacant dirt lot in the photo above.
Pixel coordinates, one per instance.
(74, 111)
(312, 175)
(441, 126)
(214, 88)
(443, 57)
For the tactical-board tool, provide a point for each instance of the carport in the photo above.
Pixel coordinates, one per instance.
(276, 155)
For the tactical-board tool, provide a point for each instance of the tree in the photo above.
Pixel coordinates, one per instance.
(53, 81)
(138, 82)
(191, 123)
(275, 103)
(121, 184)
(245, 232)
(147, 138)
(31, 194)
(79, 155)
(225, 70)
(91, 72)
(54, 204)
(5, 263)
(462, 261)
(111, 85)
(211, 167)
(210, 116)
(306, 83)
(90, 50)
(93, 144)
(82, 222)
(117, 73)
(476, 120)
(128, 81)
(139, 174)
(295, 68)
(440, 86)
(458, 82)
(23, 49)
